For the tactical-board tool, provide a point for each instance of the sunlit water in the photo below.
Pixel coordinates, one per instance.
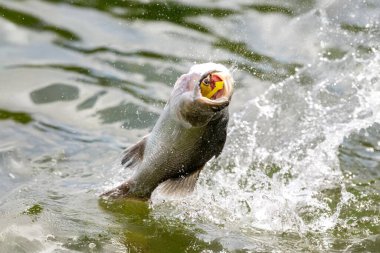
(81, 80)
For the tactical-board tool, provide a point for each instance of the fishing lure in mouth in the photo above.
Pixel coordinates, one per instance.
(210, 85)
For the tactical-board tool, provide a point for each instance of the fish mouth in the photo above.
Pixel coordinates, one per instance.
(214, 89)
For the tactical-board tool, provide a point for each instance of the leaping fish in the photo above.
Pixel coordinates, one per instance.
(190, 131)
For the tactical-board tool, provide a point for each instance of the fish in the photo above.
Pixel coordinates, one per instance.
(190, 131)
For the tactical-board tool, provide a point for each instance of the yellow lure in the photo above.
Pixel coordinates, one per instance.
(208, 92)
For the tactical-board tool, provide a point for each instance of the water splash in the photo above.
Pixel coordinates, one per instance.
(279, 171)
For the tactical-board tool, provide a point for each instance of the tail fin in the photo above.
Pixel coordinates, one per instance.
(119, 192)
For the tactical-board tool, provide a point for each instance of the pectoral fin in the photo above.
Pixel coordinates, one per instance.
(180, 186)
(134, 154)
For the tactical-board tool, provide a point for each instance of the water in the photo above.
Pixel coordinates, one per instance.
(81, 80)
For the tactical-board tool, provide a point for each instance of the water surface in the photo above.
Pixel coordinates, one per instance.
(81, 80)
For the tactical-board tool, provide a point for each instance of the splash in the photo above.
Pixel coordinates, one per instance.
(280, 172)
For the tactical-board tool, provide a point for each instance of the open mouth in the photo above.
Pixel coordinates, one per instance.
(213, 86)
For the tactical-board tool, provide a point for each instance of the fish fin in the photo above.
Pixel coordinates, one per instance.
(119, 192)
(180, 186)
(135, 153)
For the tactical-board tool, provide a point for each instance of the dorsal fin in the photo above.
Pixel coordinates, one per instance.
(180, 186)
(135, 153)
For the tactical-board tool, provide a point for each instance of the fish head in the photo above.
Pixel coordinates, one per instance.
(203, 92)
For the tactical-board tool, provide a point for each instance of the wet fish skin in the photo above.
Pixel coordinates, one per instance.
(190, 131)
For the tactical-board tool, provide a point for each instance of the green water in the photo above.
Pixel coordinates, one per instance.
(82, 80)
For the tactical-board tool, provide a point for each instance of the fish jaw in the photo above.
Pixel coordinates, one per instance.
(221, 73)
(188, 104)
(224, 95)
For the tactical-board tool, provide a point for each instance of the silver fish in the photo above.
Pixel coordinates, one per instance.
(189, 132)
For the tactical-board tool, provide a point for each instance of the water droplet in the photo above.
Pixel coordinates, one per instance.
(50, 237)
(92, 245)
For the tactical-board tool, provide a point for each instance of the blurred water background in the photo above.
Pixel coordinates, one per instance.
(82, 79)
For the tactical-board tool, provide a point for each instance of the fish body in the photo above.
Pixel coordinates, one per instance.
(189, 132)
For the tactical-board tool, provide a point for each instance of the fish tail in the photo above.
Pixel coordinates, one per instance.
(119, 192)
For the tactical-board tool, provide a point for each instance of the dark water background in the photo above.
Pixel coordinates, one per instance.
(82, 79)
